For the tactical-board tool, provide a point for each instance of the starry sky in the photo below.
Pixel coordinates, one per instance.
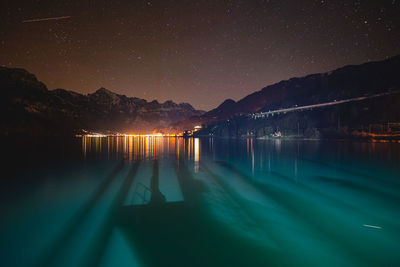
(201, 52)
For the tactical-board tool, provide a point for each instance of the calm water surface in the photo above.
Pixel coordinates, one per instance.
(154, 201)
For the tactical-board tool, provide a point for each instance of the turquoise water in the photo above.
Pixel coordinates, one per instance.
(159, 201)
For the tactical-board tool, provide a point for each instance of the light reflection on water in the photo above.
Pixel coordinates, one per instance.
(133, 148)
(166, 201)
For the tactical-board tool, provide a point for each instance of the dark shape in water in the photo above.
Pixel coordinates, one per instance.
(180, 233)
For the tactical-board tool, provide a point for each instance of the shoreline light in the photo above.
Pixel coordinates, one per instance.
(128, 135)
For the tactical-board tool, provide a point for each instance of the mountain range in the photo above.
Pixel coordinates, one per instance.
(29, 107)
(343, 83)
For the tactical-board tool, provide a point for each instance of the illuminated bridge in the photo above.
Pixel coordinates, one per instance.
(310, 107)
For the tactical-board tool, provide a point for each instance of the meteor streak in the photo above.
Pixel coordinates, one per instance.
(372, 226)
(45, 19)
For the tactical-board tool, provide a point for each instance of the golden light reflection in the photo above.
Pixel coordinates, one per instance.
(189, 146)
(196, 154)
(130, 148)
(177, 149)
(84, 147)
(140, 147)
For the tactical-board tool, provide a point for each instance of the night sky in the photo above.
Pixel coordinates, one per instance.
(200, 52)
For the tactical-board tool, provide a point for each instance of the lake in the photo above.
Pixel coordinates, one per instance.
(168, 201)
